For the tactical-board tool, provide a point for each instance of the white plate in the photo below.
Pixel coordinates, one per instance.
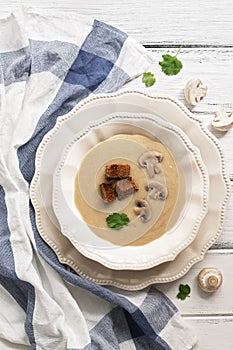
(194, 178)
(211, 226)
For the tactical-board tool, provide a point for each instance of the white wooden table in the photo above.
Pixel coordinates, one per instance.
(205, 30)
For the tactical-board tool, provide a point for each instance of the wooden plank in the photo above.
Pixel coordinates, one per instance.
(212, 333)
(155, 21)
(199, 302)
(211, 65)
(226, 239)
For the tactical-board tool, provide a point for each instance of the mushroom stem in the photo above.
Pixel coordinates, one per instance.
(152, 168)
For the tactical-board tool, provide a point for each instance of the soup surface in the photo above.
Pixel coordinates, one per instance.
(122, 149)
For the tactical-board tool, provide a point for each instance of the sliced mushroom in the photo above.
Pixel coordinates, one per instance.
(149, 160)
(142, 209)
(194, 91)
(223, 121)
(157, 190)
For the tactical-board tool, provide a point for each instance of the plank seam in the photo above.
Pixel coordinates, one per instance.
(187, 46)
(209, 316)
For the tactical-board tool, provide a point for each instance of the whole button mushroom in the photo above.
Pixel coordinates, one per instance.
(210, 279)
(195, 91)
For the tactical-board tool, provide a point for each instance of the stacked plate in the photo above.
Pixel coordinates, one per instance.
(71, 215)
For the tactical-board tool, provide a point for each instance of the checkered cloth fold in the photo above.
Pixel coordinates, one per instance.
(48, 63)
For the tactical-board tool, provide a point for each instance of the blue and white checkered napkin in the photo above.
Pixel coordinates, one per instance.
(48, 63)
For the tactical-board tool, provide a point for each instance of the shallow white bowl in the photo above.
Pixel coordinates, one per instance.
(170, 244)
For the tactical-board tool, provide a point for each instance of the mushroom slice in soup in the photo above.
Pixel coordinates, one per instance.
(157, 190)
(149, 160)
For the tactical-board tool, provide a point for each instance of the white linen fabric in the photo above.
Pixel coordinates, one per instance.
(48, 63)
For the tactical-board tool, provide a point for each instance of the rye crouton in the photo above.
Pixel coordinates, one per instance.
(117, 171)
(107, 191)
(134, 184)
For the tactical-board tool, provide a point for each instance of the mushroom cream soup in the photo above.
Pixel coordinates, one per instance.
(126, 149)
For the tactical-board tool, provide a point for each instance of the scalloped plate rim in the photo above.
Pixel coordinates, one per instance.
(155, 278)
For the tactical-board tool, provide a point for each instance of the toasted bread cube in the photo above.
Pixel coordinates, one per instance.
(117, 171)
(134, 183)
(107, 191)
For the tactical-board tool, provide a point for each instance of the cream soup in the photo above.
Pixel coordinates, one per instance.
(127, 149)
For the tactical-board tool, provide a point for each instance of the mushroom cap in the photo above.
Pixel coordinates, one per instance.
(210, 279)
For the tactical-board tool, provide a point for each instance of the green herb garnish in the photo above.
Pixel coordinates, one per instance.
(148, 78)
(184, 291)
(116, 221)
(170, 64)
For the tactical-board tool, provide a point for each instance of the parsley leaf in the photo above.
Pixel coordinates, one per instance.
(148, 78)
(184, 291)
(170, 64)
(117, 221)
